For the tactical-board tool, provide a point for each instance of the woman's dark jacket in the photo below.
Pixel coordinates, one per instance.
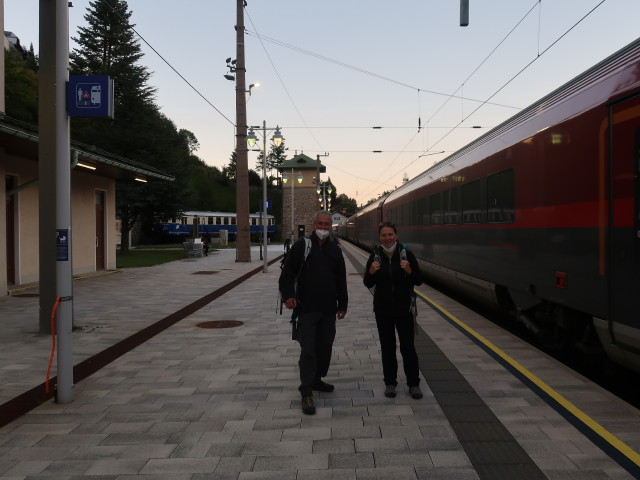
(322, 286)
(393, 286)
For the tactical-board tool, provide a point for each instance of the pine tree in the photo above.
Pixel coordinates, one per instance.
(275, 157)
(108, 46)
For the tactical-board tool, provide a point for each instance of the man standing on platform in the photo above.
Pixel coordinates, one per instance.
(313, 283)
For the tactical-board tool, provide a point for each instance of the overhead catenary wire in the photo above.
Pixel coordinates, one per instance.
(427, 124)
(173, 68)
(362, 70)
(282, 81)
(517, 74)
(511, 79)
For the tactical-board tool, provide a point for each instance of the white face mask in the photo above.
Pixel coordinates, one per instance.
(322, 234)
(391, 248)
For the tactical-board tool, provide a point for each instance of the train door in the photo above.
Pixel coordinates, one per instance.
(624, 220)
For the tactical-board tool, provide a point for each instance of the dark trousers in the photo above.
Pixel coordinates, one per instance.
(316, 333)
(387, 327)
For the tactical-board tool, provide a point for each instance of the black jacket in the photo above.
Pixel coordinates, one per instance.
(393, 286)
(322, 286)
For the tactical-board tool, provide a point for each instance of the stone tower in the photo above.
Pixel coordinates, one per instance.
(301, 173)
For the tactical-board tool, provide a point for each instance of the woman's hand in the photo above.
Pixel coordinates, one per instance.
(375, 266)
(404, 265)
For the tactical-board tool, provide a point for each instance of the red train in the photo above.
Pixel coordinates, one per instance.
(541, 215)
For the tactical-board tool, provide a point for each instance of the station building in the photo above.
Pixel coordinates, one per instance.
(93, 204)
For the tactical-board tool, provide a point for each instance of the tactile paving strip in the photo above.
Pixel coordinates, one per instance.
(492, 450)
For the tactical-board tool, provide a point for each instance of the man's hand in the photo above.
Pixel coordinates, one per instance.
(340, 314)
(290, 303)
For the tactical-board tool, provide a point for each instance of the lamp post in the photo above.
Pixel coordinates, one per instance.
(277, 141)
(325, 200)
(284, 180)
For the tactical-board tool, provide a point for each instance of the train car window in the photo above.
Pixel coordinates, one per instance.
(450, 200)
(183, 220)
(435, 202)
(471, 202)
(414, 213)
(406, 214)
(423, 211)
(233, 220)
(500, 197)
(210, 220)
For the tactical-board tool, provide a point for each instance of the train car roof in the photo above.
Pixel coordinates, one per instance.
(623, 58)
(204, 213)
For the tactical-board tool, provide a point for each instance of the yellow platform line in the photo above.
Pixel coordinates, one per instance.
(570, 407)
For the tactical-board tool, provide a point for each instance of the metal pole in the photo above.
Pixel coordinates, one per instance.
(293, 239)
(64, 271)
(55, 194)
(265, 239)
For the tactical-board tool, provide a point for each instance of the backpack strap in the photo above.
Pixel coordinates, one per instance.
(307, 248)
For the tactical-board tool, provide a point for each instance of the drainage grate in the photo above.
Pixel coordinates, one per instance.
(205, 272)
(220, 324)
(25, 295)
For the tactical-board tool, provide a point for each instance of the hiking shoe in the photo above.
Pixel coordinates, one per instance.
(415, 392)
(308, 408)
(390, 391)
(321, 386)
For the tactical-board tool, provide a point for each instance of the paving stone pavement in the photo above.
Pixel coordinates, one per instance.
(194, 403)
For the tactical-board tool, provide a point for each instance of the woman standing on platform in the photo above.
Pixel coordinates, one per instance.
(393, 271)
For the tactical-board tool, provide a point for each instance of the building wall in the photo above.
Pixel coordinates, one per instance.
(83, 221)
(83, 188)
(305, 207)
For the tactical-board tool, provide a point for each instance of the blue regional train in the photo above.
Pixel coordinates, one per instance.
(210, 223)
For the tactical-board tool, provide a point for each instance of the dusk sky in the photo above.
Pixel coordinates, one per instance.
(330, 71)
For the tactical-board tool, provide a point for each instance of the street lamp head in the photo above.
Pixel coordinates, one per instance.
(252, 86)
(300, 178)
(230, 77)
(251, 138)
(277, 137)
(285, 178)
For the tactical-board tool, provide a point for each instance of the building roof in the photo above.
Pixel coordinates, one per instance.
(21, 139)
(302, 162)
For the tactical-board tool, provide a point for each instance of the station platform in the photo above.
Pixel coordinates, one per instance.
(194, 403)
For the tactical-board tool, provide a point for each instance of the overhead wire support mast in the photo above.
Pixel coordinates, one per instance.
(243, 238)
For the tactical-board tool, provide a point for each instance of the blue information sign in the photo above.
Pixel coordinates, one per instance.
(62, 245)
(90, 96)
